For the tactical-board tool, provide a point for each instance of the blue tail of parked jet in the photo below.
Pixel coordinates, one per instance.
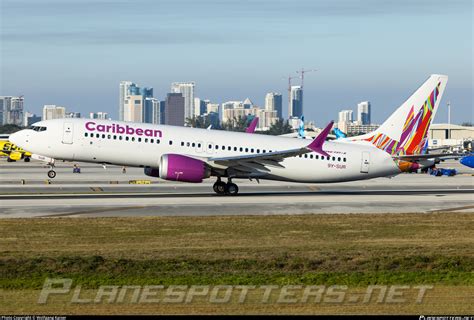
(301, 128)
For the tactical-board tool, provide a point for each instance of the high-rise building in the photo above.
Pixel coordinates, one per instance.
(345, 116)
(266, 118)
(11, 110)
(52, 111)
(124, 91)
(99, 115)
(127, 89)
(30, 118)
(133, 108)
(212, 107)
(363, 113)
(200, 106)
(296, 98)
(273, 102)
(248, 104)
(72, 115)
(162, 112)
(151, 111)
(175, 109)
(187, 91)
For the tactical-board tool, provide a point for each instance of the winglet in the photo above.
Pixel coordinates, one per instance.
(252, 125)
(317, 144)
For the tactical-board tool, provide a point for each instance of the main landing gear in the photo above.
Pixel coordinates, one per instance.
(222, 188)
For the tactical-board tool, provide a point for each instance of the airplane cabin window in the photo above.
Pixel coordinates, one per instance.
(210, 146)
(199, 145)
(251, 150)
(157, 140)
(86, 134)
(126, 138)
(171, 142)
(182, 144)
(339, 159)
(246, 149)
(344, 159)
(139, 139)
(311, 156)
(235, 148)
(109, 136)
(193, 145)
(146, 139)
(115, 137)
(152, 140)
(133, 138)
(229, 148)
(241, 149)
(97, 135)
(120, 137)
(103, 136)
(223, 147)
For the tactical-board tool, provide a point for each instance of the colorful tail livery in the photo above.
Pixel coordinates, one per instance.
(405, 132)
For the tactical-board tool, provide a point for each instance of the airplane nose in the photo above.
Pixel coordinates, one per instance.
(18, 138)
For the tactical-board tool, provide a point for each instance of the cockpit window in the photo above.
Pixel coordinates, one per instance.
(37, 128)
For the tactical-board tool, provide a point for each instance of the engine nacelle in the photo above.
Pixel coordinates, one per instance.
(15, 155)
(182, 168)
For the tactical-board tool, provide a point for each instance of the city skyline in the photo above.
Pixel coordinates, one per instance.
(54, 51)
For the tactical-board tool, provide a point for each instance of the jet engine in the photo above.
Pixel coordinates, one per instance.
(182, 168)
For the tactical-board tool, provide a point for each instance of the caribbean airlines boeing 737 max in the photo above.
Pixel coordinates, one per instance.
(191, 155)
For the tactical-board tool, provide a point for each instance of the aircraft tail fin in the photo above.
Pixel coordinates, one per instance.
(406, 130)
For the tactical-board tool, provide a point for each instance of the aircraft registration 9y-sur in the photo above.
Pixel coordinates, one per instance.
(191, 154)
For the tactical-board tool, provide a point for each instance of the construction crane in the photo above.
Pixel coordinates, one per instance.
(302, 72)
(289, 93)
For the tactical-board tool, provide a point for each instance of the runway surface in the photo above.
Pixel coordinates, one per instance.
(25, 191)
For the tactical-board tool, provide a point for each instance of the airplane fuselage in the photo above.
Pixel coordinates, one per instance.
(143, 145)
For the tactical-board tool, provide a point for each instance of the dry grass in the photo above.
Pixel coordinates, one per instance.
(355, 250)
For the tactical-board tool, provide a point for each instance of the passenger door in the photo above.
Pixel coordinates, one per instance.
(365, 163)
(68, 133)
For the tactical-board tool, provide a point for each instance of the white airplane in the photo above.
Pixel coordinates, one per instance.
(191, 155)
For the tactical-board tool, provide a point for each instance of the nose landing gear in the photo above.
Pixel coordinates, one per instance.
(51, 172)
(222, 188)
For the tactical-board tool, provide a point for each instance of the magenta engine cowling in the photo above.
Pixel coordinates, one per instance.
(181, 168)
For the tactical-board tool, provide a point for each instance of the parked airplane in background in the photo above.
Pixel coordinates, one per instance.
(191, 155)
(339, 134)
(13, 152)
(468, 161)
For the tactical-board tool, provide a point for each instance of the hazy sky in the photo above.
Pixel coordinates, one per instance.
(75, 52)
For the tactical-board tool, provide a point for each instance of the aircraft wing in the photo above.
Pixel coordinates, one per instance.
(260, 162)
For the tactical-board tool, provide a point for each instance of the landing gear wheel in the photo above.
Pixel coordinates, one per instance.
(231, 189)
(51, 174)
(219, 187)
(27, 159)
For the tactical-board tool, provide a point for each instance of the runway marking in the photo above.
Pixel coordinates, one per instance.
(314, 188)
(97, 189)
(453, 209)
(79, 195)
(92, 211)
